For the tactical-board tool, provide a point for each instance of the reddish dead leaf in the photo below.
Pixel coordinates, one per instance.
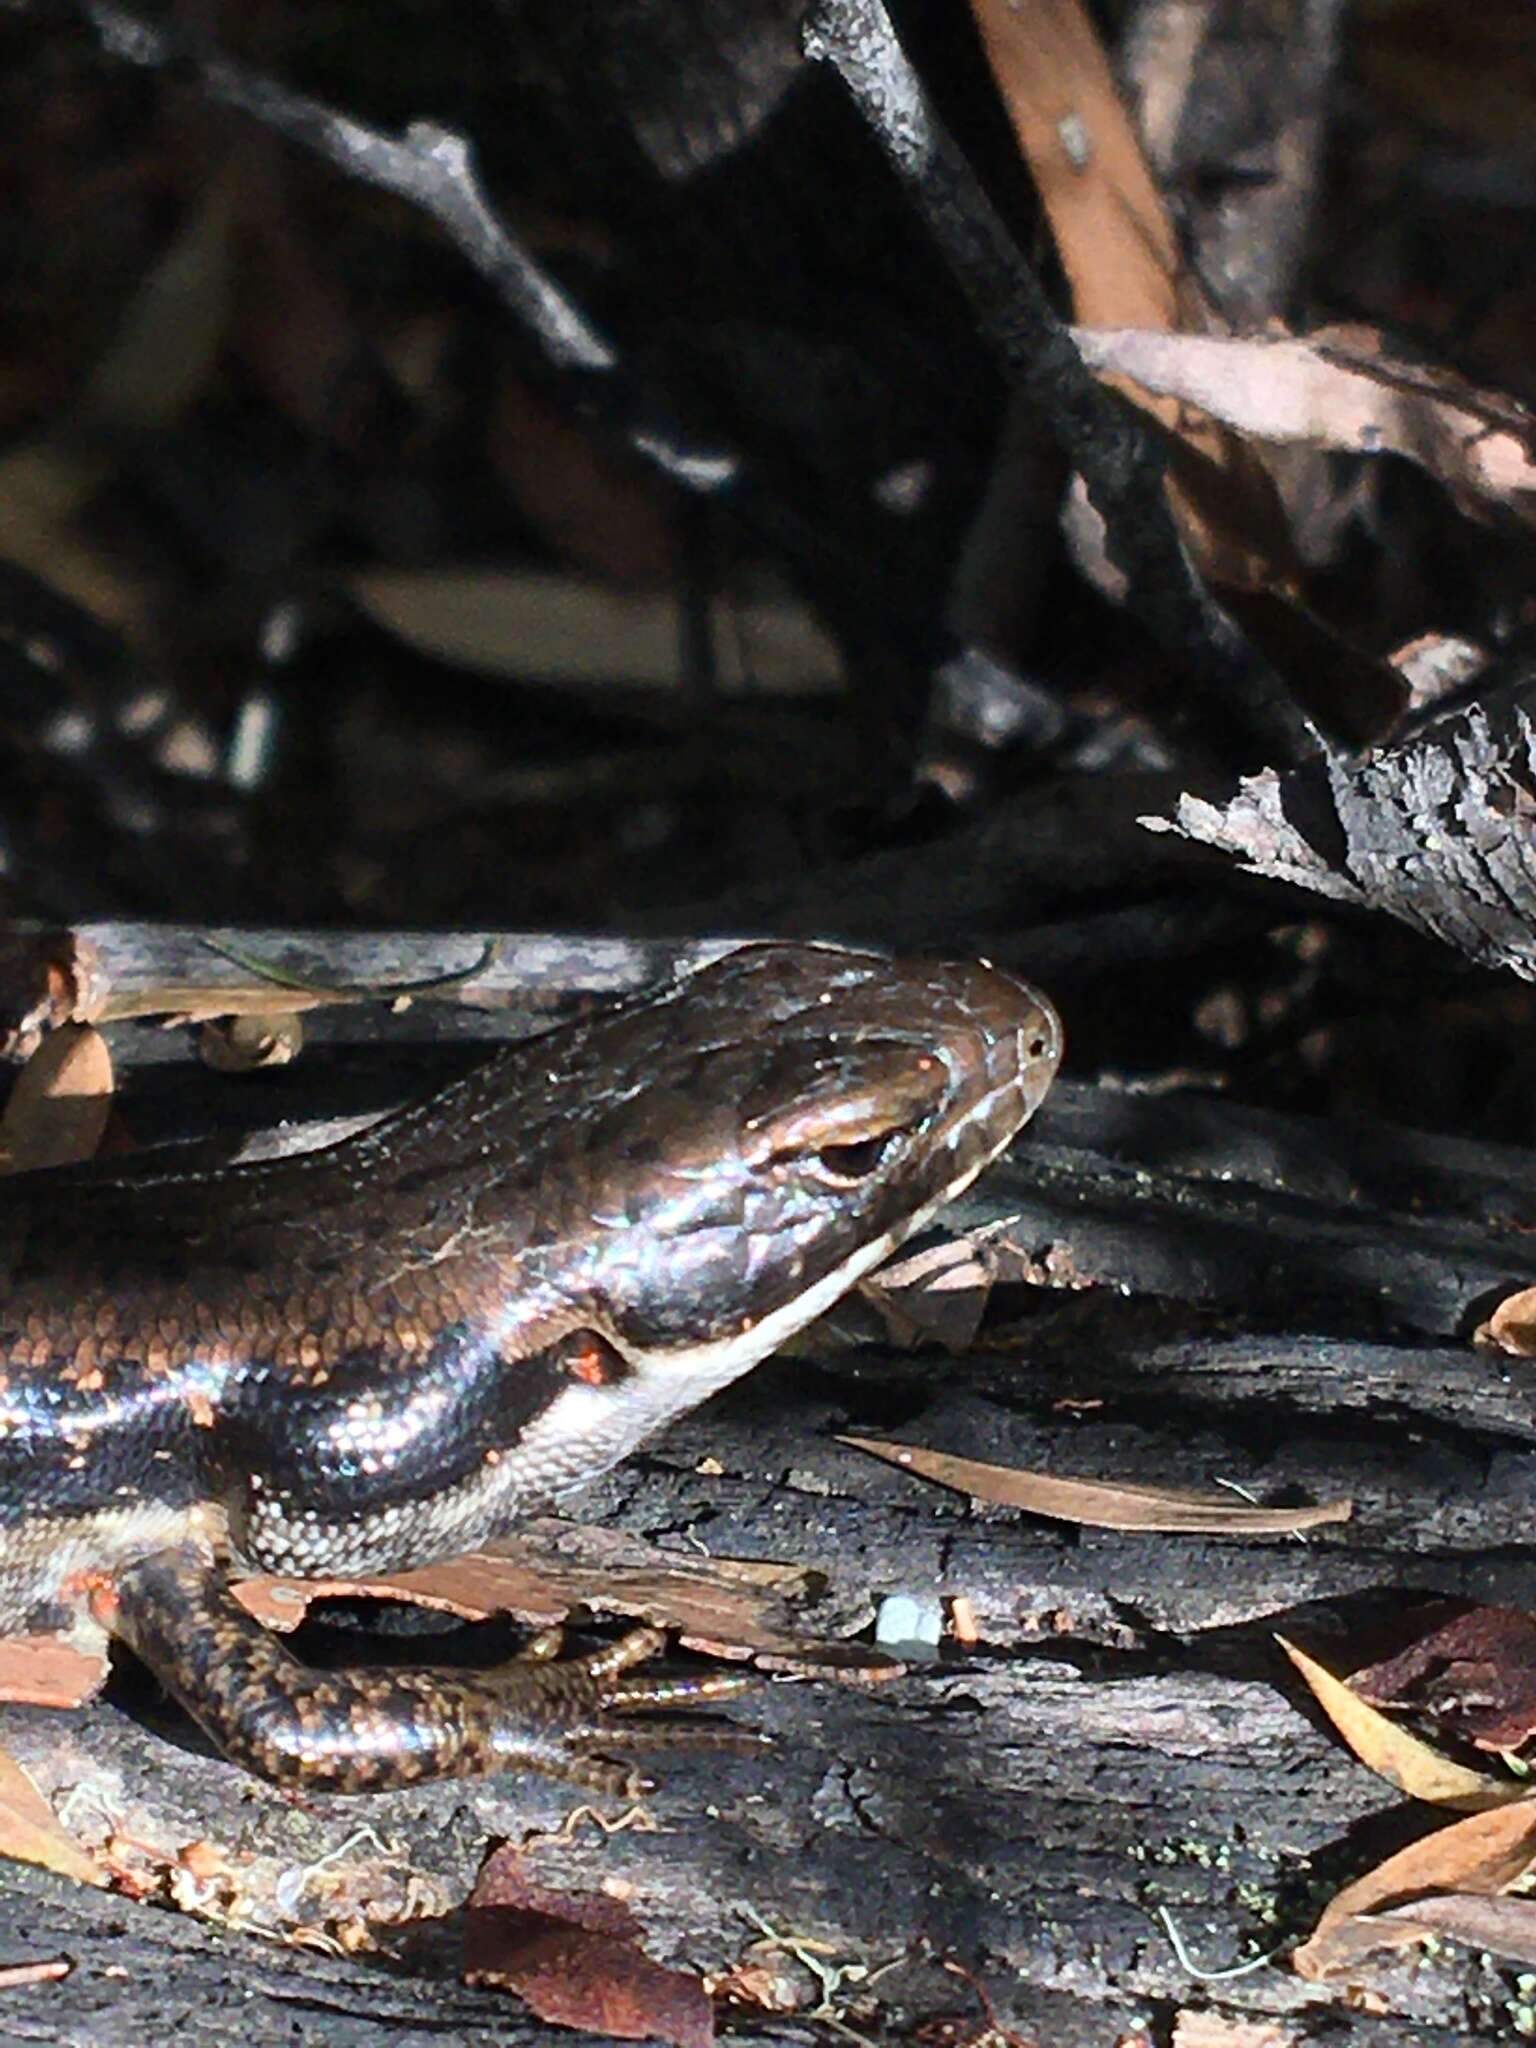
(1504, 1927)
(1100, 1503)
(1512, 1326)
(766, 1978)
(60, 1104)
(1393, 1752)
(573, 1959)
(472, 1587)
(29, 1833)
(46, 1671)
(720, 1606)
(1476, 1674)
(1482, 1854)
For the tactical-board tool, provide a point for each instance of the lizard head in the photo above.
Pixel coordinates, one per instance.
(666, 1192)
(770, 1128)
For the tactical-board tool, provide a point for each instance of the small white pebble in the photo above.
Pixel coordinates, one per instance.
(909, 1627)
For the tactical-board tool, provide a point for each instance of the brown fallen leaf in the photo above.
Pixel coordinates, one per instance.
(29, 1832)
(1100, 1503)
(47, 1671)
(498, 621)
(58, 1109)
(1124, 265)
(1334, 390)
(1233, 496)
(1393, 1752)
(573, 1958)
(606, 517)
(1512, 1326)
(1219, 2030)
(1476, 1673)
(720, 1606)
(1502, 1926)
(1482, 1854)
(1117, 243)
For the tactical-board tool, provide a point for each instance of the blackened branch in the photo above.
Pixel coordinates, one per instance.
(1117, 458)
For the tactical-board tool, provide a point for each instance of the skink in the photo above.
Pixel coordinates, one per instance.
(366, 1359)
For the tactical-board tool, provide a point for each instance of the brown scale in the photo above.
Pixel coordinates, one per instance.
(391, 1350)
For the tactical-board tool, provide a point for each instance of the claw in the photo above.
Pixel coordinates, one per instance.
(630, 1649)
(543, 1648)
(642, 1693)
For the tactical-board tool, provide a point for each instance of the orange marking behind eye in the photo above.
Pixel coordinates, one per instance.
(595, 1364)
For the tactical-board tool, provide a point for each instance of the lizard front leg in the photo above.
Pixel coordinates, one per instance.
(360, 1730)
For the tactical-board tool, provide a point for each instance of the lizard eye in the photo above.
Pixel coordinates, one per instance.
(840, 1110)
(846, 1165)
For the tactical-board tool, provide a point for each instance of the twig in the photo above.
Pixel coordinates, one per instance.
(1118, 460)
(433, 169)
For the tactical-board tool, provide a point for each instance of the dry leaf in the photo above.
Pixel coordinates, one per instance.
(604, 516)
(1329, 390)
(1476, 1673)
(573, 1959)
(1219, 2030)
(1512, 1326)
(1393, 1753)
(1505, 1927)
(1116, 241)
(1101, 1503)
(720, 1606)
(1123, 264)
(168, 340)
(29, 1833)
(1431, 830)
(166, 344)
(60, 1104)
(561, 630)
(1483, 1854)
(46, 1671)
